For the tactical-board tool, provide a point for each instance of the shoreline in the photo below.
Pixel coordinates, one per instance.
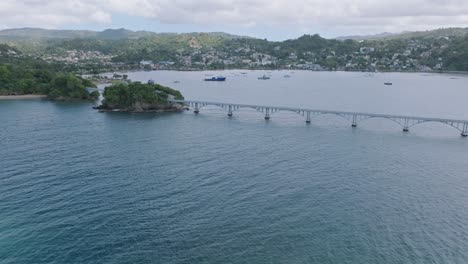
(23, 97)
(174, 108)
(280, 69)
(140, 112)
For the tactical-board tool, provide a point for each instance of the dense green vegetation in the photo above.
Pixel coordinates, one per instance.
(26, 75)
(69, 86)
(137, 96)
(456, 55)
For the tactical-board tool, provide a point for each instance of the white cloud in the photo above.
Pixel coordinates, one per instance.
(50, 13)
(353, 16)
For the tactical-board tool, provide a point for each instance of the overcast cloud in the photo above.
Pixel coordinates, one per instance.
(328, 17)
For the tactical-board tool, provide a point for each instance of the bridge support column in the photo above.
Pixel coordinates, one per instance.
(230, 111)
(308, 117)
(354, 124)
(197, 109)
(267, 113)
(465, 130)
(406, 126)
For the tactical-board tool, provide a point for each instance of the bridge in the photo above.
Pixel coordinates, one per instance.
(406, 122)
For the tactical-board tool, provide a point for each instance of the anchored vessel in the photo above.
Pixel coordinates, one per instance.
(406, 122)
(216, 79)
(264, 77)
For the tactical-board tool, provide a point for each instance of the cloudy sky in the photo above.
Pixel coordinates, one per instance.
(272, 19)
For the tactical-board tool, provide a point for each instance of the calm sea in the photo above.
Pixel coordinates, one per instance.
(78, 186)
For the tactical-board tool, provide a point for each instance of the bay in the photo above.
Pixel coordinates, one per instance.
(78, 186)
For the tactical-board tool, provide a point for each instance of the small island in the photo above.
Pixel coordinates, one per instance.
(136, 97)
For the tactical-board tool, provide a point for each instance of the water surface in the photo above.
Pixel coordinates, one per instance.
(77, 186)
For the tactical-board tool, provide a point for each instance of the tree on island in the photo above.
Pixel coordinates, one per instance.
(69, 86)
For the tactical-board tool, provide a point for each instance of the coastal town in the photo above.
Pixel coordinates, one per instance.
(409, 55)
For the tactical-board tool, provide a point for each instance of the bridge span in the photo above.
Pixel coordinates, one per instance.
(406, 122)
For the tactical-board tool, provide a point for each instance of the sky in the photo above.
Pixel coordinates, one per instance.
(271, 19)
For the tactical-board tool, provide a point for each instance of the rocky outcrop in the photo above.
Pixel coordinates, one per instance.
(140, 107)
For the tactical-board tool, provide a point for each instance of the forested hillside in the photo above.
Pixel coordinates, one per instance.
(94, 52)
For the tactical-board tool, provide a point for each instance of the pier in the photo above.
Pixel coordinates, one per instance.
(405, 122)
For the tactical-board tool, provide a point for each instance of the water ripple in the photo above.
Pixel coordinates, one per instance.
(82, 187)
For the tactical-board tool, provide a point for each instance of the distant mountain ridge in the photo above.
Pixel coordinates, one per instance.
(367, 37)
(436, 33)
(108, 34)
(19, 34)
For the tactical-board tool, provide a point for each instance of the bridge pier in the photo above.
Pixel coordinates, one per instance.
(354, 124)
(197, 109)
(230, 111)
(267, 113)
(308, 117)
(465, 130)
(406, 126)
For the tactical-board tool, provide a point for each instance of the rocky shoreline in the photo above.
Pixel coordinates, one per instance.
(144, 109)
(21, 97)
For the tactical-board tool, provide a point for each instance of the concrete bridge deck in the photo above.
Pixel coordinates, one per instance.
(406, 122)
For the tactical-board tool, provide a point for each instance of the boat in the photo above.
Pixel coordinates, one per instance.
(287, 76)
(264, 77)
(176, 81)
(216, 79)
(150, 81)
(388, 83)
